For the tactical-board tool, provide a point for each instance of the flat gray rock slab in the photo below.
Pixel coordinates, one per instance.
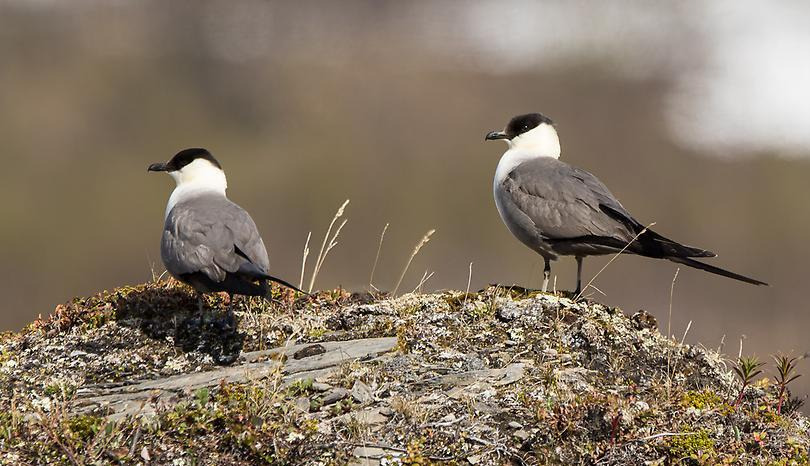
(141, 398)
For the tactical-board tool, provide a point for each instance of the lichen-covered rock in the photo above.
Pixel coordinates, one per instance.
(499, 376)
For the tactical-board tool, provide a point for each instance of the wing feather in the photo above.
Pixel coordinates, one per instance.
(204, 234)
(565, 203)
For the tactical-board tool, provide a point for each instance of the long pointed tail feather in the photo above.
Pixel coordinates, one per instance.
(668, 247)
(715, 270)
(284, 283)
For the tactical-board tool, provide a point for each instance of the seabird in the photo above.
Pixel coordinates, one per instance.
(209, 242)
(559, 210)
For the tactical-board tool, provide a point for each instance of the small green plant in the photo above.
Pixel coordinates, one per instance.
(342, 407)
(785, 373)
(301, 387)
(202, 396)
(746, 369)
(695, 445)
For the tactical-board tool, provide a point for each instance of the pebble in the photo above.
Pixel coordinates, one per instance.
(320, 386)
(361, 392)
(369, 452)
(302, 404)
(515, 425)
(521, 434)
(335, 395)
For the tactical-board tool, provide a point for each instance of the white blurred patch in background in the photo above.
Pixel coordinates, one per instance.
(740, 70)
(753, 91)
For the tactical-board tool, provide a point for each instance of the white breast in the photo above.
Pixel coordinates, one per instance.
(196, 178)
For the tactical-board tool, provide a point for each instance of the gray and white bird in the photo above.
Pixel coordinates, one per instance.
(559, 210)
(209, 242)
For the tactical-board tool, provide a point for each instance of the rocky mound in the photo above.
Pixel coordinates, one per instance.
(139, 375)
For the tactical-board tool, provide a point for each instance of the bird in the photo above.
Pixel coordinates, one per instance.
(209, 242)
(559, 210)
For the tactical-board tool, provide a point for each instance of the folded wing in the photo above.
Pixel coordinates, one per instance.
(213, 236)
(576, 213)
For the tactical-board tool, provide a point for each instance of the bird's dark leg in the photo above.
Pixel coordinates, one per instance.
(579, 276)
(546, 274)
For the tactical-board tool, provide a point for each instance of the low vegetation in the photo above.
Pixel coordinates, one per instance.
(500, 376)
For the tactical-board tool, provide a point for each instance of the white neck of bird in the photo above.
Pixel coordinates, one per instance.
(541, 141)
(200, 176)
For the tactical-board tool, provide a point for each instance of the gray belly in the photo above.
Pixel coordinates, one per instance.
(520, 225)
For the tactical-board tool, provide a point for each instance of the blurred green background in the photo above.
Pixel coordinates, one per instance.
(696, 115)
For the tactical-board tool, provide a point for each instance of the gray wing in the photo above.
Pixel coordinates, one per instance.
(214, 236)
(563, 202)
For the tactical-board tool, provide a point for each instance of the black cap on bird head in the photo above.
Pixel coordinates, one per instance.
(519, 125)
(183, 158)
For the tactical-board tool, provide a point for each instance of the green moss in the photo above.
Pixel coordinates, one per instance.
(317, 332)
(52, 390)
(96, 319)
(703, 399)
(84, 427)
(5, 354)
(60, 390)
(414, 454)
(694, 445)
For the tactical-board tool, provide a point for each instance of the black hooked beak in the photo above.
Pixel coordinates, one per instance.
(157, 167)
(493, 135)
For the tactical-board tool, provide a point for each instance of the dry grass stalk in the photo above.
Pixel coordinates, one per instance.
(422, 281)
(669, 329)
(722, 344)
(377, 259)
(576, 298)
(332, 242)
(469, 279)
(416, 249)
(686, 332)
(304, 260)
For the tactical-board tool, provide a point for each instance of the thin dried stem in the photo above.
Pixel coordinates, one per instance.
(327, 240)
(669, 331)
(304, 261)
(422, 281)
(576, 298)
(416, 249)
(377, 258)
(469, 279)
(688, 326)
